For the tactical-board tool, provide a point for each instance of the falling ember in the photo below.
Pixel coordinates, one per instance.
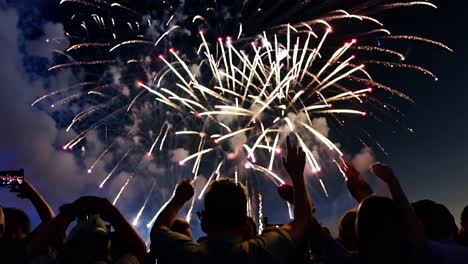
(140, 212)
(416, 38)
(338, 166)
(121, 191)
(290, 211)
(113, 170)
(188, 218)
(414, 3)
(323, 187)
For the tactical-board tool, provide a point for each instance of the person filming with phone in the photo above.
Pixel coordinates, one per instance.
(15, 224)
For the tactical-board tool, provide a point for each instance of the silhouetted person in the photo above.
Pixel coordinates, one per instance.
(387, 230)
(347, 230)
(224, 219)
(438, 222)
(17, 225)
(380, 233)
(13, 243)
(463, 232)
(181, 226)
(90, 240)
(441, 229)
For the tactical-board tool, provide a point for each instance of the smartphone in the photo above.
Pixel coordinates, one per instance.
(11, 177)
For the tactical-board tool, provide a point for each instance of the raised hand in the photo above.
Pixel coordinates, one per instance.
(294, 165)
(184, 191)
(351, 172)
(109, 213)
(384, 172)
(94, 205)
(295, 161)
(356, 184)
(25, 190)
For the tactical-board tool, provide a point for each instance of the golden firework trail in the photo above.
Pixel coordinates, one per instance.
(240, 95)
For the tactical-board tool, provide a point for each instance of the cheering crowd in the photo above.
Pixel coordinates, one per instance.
(379, 230)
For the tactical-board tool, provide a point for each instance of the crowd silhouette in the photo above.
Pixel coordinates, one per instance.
(380, 230)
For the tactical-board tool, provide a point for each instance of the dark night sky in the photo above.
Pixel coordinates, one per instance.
(431, 163)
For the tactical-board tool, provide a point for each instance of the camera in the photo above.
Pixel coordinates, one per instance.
(11, 177)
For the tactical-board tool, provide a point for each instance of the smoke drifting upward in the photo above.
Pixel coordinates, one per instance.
(237, 143)
(363, 160)
(320, 124)
(179, 154)
(28, 137)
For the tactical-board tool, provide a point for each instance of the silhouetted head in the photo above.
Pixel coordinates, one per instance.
(464, 218)
(437, 220)
(379, 230)
(181, 226)
(17, 224)
(347, 230)
(463, 232)
(225, 206)
(88, 242)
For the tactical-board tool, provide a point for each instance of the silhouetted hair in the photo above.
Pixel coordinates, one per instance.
(88, 242)
(16, 220)
(437, 220)
(380, 233)
(347, 230)
(226, 204)
(464, 215)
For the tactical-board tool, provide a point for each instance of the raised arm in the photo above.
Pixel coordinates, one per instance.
(294, 165)
(357, 186)
(124, 230)
(50, 236)
(184, 192)
(26, 191)
(409, 218)
(305, 225)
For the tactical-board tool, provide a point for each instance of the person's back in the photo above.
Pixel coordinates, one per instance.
(225, 221)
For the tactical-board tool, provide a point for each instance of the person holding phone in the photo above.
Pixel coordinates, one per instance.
(90, 241)
(17, 225)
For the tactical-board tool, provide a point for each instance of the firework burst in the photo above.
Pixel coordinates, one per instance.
(227, 82)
